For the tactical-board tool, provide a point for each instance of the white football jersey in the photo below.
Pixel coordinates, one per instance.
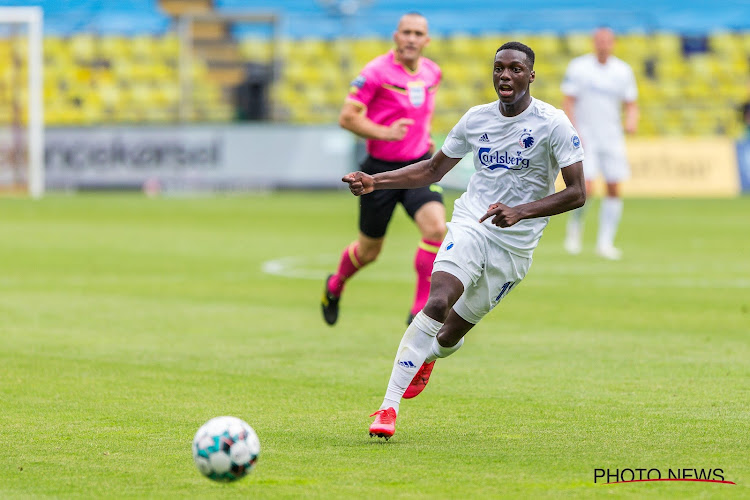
(516, 161)
(600, 90)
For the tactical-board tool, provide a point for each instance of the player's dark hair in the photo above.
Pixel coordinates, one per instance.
(521, 48)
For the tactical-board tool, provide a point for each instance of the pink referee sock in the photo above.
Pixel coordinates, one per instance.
(348, 265)
(423, 261)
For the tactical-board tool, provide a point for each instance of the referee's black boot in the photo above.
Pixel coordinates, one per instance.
(330, 304)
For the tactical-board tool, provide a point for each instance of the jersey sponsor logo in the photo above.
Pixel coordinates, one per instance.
(417, 93)
(496, 159)
(484, 138)
(526, 140)
(576, 141)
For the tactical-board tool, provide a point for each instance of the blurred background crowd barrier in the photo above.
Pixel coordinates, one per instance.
(156, 64)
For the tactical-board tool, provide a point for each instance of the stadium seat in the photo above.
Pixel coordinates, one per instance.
(83, 47)
(547, 46)
(578, 43)
(667, 45)
(256, 49)
(725, 43)
(110, 59)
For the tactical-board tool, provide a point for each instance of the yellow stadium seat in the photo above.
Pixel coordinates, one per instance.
(437, 49)
(671, 70)
(365, 49)
(578, 43)
(632, 46)
(169, 47)
(256, 49)
(647, 127)
(667, 45)
(490, 42)
(83, 47)
(309, 49)
(114, 49)
(725, 43)
(698, 90)
(460, 45)
(54, 49)
(547, 45)
(143, 47)
(447, 98)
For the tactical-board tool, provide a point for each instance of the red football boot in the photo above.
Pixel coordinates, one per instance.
(384, 425)
(419, 382)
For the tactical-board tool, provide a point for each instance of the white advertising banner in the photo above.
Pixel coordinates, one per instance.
(198, 157)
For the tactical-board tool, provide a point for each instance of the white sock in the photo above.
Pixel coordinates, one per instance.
(438, 351)
(609, 219)
(575, 222)
(414, 347)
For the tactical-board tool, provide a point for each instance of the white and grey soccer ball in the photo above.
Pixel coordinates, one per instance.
(225, 449)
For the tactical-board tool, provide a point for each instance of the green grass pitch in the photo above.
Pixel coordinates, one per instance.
(127, 322)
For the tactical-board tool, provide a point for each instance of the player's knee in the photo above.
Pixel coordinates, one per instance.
(435, 232)
(431, 221)
(449, 338)
(613, 190)
(438, 307)
(434, 229)
(369, 254)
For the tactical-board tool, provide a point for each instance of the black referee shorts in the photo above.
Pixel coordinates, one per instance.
(376, 208)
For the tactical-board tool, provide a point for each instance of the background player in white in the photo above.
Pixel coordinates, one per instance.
(596, 87)
(519, 145)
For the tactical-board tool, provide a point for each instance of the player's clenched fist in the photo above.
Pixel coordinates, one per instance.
(399, 128)
(359, 183)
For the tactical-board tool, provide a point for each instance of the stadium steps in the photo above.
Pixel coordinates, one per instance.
(213, 44)
(180, 7)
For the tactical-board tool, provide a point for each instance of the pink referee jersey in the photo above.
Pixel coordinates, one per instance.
(390, 91)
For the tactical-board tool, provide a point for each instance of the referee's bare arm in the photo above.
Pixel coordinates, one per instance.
(354, 119)
(422, 173)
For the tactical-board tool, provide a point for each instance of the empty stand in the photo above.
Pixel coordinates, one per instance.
(119, 61)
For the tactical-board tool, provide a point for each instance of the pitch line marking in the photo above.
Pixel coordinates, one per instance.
(317, 267)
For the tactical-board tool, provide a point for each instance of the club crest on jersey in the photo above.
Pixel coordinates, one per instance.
(496, 159)
(417, 93)
(526, 140)
(576, 141)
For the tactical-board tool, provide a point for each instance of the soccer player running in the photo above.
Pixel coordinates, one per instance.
(596, 87)
(391, 104)
(519, 144)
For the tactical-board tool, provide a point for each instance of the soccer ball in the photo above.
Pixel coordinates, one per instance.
(225, 449)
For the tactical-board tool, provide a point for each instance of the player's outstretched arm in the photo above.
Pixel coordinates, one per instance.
(422, 173)
(572, 197)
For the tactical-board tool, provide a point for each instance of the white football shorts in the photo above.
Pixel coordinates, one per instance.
(610, 163)
(487, 271)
